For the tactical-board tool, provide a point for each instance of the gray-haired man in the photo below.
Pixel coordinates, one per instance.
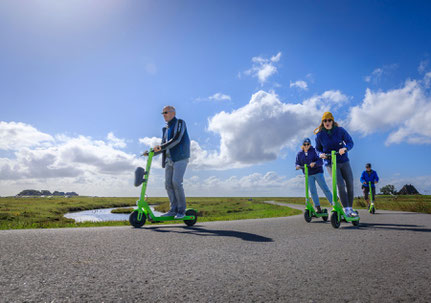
(175, 148)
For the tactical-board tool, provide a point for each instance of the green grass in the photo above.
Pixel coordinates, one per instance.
(413, 203)
(37, 212)
(17, 213)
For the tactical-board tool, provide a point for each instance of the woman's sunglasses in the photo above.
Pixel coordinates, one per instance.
(306, 144)
(324, 121)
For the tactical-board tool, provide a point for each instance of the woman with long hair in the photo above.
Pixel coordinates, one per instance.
(330, 136)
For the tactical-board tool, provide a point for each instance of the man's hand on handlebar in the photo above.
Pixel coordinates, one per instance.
(298, 167)
(157, 148)
(323, 156)
(312, 164)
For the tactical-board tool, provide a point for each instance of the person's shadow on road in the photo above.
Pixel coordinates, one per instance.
(402, 227)
(199, 231)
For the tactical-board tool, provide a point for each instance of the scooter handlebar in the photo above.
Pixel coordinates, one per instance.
(147, 152)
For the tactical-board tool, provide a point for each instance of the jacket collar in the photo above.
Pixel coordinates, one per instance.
(170, 123)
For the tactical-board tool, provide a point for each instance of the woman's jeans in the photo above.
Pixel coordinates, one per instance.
(344, 179)
(322, 184)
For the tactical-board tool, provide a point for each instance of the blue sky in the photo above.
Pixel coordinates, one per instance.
(83, 84)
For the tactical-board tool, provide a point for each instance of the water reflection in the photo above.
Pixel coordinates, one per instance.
(102, 214)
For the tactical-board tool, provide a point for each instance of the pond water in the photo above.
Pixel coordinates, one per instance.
(102, 214)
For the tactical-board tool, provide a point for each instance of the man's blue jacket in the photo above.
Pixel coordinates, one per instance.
(369, 177)
(176, 139)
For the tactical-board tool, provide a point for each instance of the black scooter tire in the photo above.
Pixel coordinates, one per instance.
(307, 216)
(325, 218)
(334, 220)
(133, 219)
(355, 223)
(191, 212)
(373, 210)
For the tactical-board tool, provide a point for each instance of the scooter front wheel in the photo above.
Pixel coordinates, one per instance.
(191, 212)
(373, 210)
(133, 219)
(325, 218)
(307, 216)
(355, 223)
(334, 220)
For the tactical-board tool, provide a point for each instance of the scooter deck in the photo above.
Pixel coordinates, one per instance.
(172, 218)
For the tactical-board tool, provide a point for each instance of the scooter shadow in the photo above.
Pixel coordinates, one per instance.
(401, 227)
(203, 232)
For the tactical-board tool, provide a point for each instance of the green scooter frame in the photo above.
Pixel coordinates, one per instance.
(309, 211)
(338, 213)
(138, 217)
(372, 208)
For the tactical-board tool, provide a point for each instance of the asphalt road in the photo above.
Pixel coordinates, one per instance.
(385, 259)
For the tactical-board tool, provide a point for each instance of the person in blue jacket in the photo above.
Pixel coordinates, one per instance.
(330, 136)
(309, 156)
(369, 175)
(175, 150)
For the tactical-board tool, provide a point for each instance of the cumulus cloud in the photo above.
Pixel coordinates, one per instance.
(299, 84)
(258, 131)
(423, 66)
(263, 68)
(268, 184)
(219, 97)
(114, 141)
(377, 74)
(17, 135)
(72, 158)
(405, 111)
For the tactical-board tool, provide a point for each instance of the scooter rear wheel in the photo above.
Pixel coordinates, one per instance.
(133, 219)
(373, 210)
(355, 223)
(334, 220)
(325, 218)
(191, 212)
(307, 216)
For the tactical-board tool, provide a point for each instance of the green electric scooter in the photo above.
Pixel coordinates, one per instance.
(138, 217)
(338, 213)
(309, 211)
(372, 208)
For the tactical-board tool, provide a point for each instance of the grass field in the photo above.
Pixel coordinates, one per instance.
(413, 203)
(38, 212)
(16, 213)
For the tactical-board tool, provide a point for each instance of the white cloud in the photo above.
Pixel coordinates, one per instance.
(17, 135)
(299, 84)
(378, 73)
(219, 97)
(263, 68)
(71, 161)
(258, 131)
(114, 141)
(269, 184)
(423, 66)
(215, 97)
(406, 112)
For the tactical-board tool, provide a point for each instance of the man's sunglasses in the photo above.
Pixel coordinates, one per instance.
(306, 144)
(165, 113)
(324, 121)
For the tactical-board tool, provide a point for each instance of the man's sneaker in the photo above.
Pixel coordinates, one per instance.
(180, 216)
(169, 214)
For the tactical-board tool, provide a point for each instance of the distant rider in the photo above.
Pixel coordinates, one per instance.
(369, 175)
